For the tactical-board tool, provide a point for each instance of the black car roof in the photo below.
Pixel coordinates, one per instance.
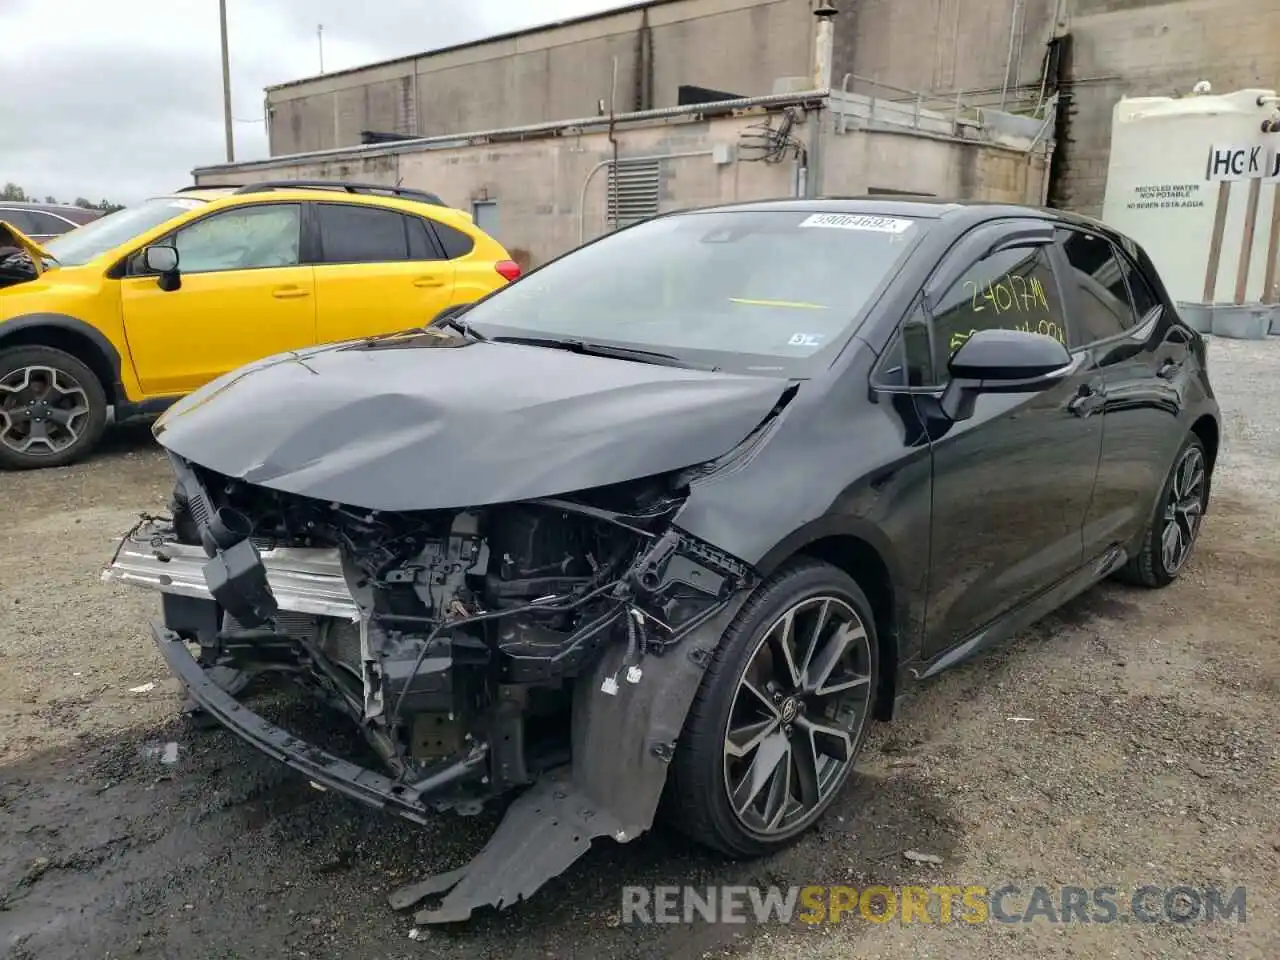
(962, 213)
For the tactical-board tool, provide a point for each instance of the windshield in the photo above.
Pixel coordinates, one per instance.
(774, 292)
(79, 246)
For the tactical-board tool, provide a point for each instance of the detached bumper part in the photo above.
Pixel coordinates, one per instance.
(544, 831)
(319, 767)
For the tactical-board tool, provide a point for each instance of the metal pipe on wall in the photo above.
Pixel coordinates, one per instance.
(1008, 63)
(824, 44)
(591, 175)
(823, 59)
(577, 126)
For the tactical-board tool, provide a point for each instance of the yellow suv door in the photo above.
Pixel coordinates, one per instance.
(242, 293)
(378, 270)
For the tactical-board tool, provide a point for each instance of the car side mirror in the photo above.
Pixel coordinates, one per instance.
(163, 260)
(1002, 361)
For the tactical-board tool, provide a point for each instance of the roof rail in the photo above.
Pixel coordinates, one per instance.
(202, 186)
(345, 186)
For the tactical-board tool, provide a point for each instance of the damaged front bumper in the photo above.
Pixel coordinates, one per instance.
(324, 770)
(623, 736)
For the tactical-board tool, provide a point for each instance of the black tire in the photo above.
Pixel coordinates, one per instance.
(70, 374)
(1150, 567)
(697, 800)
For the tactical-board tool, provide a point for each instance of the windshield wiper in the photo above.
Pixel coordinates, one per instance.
(456, 322)
(606, 350)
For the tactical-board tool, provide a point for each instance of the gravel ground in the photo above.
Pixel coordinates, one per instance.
(1145, 753)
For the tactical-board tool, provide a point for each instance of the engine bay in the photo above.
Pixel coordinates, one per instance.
(16, 265)
(472, 626)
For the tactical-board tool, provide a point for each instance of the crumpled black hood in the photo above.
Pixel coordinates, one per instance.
(412, 426)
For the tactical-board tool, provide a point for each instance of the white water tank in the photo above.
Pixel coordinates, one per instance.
(1160, 193)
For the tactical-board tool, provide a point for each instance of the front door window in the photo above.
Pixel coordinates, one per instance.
(266, 235)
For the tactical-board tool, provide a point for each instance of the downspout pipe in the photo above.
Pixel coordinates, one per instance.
(823, 59)
(824, 44)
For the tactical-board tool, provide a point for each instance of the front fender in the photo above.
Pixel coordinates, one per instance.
(622, 746)
(624, 743)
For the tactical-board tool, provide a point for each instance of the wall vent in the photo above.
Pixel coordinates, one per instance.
(634, 190)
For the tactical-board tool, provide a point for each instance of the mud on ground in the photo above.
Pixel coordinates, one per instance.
(1144, 752)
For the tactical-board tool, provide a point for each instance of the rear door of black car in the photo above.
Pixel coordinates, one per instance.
(1143, 357)
(1013, 483)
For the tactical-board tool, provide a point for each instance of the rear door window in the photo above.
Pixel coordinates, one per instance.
(1103, 308)
(1145, 302)
(422, 242)
(356, 234)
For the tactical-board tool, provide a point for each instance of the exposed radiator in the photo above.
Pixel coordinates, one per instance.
(339, 640)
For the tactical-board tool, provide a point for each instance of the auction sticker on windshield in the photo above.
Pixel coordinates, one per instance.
(857, 221)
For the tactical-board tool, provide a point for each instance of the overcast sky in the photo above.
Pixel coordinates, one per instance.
(120, 100)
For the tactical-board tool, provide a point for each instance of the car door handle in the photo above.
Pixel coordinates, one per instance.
(1087, 401)
(429, 281)
(1169, 369)
(290, 293)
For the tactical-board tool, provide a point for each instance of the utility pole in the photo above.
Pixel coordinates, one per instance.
(226, 83)
(320, 40)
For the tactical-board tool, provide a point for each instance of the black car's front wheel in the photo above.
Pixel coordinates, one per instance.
(1173, 529)
(781, 713)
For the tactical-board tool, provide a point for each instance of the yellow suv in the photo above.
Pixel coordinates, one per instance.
(142, 306)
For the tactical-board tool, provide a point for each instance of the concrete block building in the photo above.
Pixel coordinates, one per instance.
(550, 135)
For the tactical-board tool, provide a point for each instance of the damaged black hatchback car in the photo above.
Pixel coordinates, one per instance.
(678, 514)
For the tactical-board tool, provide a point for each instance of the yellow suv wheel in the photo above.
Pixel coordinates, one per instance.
(52, 408)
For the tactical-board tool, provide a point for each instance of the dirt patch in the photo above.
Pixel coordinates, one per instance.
(1128, 739)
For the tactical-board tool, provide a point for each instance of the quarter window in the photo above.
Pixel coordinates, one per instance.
(455, 242)
(1104, 309)
(263, 235)
(1009, 290)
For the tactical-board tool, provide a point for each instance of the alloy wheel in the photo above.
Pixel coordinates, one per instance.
(1183, 510)
(43, 410)
(797, 716)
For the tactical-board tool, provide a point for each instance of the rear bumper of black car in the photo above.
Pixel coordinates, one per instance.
(324, 770)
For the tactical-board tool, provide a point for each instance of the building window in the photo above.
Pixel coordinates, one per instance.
(634, 189)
